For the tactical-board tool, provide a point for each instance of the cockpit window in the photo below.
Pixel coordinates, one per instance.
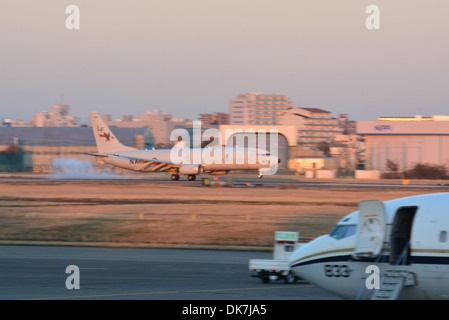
(343, 231)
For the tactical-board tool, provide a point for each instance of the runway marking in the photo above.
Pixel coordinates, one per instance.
(172, 292)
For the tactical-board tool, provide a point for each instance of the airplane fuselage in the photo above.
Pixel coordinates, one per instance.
(422, 221)
(211, 159)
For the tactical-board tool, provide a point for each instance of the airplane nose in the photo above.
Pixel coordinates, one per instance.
(305, 260)
(294, 258)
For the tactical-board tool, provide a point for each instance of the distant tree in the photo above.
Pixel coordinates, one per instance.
(11, 150)
(392, 171)
(324, 147)
(11, 159)
(427, 171)
(392, 166)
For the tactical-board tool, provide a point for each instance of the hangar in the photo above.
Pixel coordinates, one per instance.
(407, 141)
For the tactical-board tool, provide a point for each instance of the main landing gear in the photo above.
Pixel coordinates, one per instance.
(190, 177)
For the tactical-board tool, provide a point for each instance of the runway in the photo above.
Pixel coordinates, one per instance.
(116, 211)
(39, 273)
(235, 181)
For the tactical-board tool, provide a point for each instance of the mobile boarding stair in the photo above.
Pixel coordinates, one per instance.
(395, 280)
(371, 243)
(392, 282)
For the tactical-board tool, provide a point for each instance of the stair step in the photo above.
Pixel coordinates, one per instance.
(390, 288)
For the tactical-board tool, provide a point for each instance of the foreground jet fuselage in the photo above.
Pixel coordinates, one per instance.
(393, 250)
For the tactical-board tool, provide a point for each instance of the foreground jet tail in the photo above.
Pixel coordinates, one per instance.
(105, 139)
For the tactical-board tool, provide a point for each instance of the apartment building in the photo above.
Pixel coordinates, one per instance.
(160, 125)
(258, 109)
(214, 119)
(315, 125)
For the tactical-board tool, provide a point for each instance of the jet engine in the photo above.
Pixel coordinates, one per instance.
(191, 169)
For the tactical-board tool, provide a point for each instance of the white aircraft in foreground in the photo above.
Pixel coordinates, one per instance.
(385, 251)
(178, 161)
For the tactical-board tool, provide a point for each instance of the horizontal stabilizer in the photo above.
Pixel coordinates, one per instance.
(103, 155)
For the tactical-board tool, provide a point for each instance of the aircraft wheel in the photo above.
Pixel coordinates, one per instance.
(191, 177)
(175, 177)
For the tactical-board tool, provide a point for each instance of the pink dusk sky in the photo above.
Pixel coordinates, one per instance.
(187, 57)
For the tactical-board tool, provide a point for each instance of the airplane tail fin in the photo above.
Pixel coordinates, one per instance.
(105, 139)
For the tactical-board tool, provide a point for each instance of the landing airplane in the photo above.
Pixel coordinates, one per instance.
(114, 153)
(397, 249)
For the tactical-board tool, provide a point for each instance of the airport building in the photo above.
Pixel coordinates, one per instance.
(406, 141)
